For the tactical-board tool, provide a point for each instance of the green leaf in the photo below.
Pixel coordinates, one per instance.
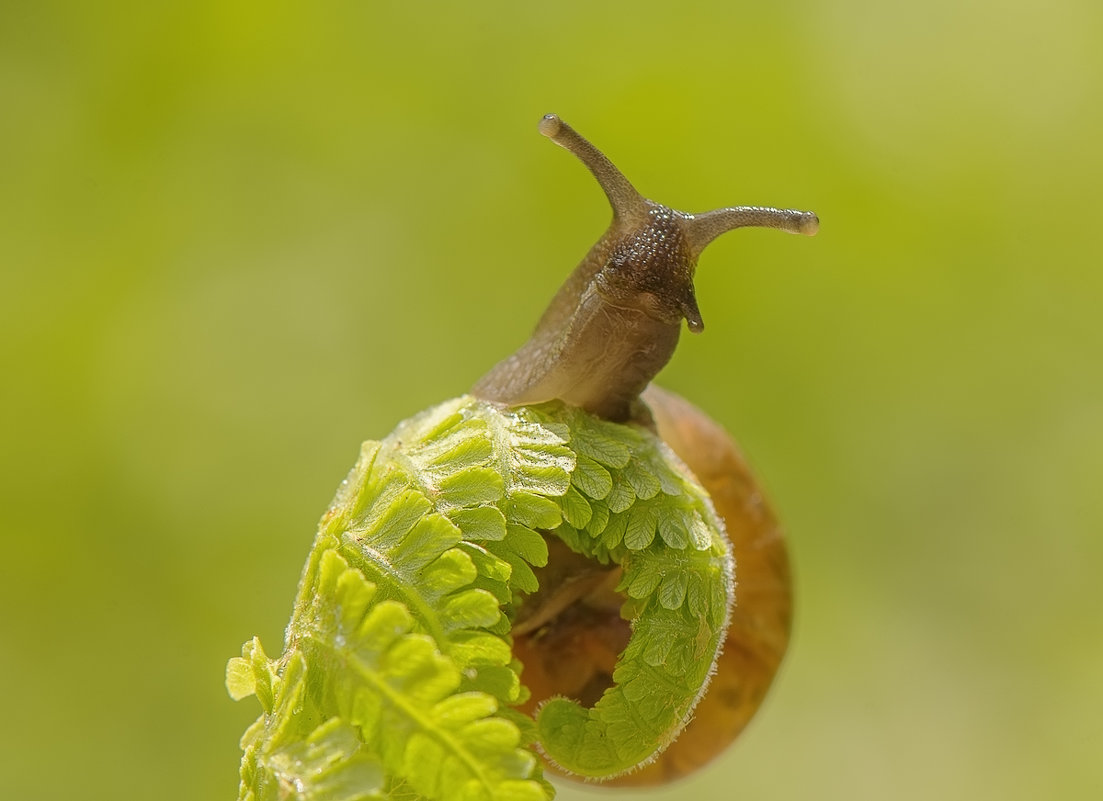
(592, 479)
(470, 609)
(645, 484)
(240, 679)
(537, 427)
(599, 446)
(473, 648)
(640, 531)
(523, 578)
(544, 470)
(265, 679)
(452, 570)
(499, 681)
(699, 533)
(599, 518)
(672, 590)
(469, 451)
(354, 493)
(642, 579)
(576, 509)
(672, 481)
(527, 544)
(621, 496)
(613, 535)
(533, 511)
(432, 536)
(672, 526)
(329, 765)
(393, 515)
(480, 522)
(383, 625)
(440, 422)
(487, 564)
(471, 487)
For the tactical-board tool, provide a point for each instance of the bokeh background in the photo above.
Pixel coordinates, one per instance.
(238, 238)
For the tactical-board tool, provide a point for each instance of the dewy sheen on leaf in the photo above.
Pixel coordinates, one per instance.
(540, 567)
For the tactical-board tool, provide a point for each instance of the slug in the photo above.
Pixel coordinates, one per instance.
(547, 564)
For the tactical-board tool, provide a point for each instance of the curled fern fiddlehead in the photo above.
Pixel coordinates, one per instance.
(398, 663)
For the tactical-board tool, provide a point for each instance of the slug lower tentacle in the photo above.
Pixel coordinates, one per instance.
(545, 565)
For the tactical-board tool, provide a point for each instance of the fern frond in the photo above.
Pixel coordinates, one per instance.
(398, 678)
(657, 522)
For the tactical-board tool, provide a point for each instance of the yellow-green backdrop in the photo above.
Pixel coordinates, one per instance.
(237, 238)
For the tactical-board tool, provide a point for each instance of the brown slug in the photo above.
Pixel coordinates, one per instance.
(609, 330)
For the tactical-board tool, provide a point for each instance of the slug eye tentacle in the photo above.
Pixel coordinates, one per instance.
(701, 229)
(623, 197)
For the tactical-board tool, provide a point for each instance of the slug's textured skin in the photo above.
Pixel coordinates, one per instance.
(540, 567)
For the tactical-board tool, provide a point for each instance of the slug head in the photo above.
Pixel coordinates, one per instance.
(615, 323)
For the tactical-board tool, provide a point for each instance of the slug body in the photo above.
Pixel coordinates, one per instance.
(611, 328)
(561, 543)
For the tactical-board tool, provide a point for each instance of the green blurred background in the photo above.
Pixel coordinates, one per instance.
(238, 238)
